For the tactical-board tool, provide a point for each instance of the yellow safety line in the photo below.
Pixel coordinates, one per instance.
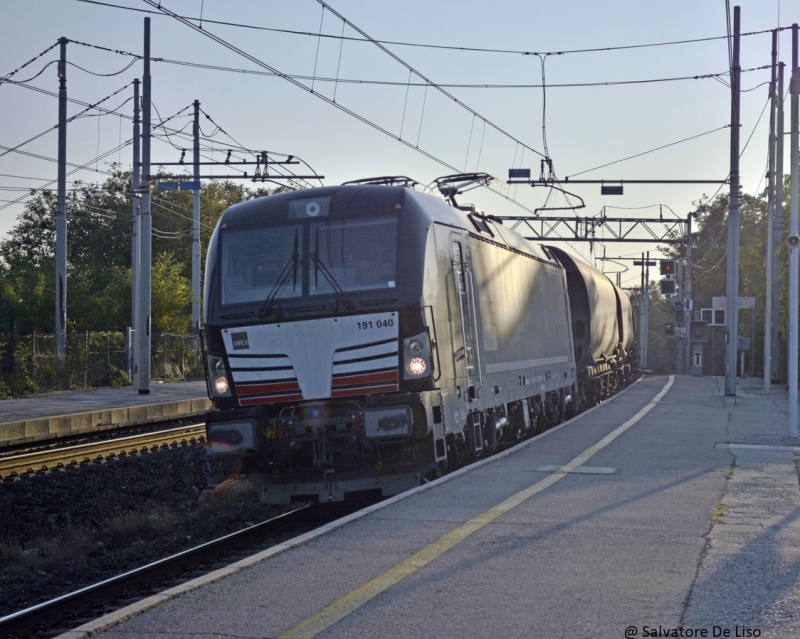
(342, 607)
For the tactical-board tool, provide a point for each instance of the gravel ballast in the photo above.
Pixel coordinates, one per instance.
(70, 528)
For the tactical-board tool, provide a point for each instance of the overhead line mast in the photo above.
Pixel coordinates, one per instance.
(145, 229)
(136, 198)
(732, 282)
(771, 190)
(61, 207)
(794, 241)
(196, 222)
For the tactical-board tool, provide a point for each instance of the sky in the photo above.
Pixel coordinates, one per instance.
(490, 115)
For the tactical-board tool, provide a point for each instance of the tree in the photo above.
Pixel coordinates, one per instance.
(172, 217)
(660, 347)
(99, 234)
(171, 296)
(99, 255)
(709, 259)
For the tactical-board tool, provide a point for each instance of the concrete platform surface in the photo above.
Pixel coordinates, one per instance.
(672, 511)
(67, 413)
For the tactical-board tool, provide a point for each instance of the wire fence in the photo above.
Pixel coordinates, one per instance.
(28, 364)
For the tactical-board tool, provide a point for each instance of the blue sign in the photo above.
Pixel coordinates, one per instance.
(179, 186)
(519, 174)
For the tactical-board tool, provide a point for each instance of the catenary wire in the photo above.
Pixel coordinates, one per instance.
(103, 75)
(361, 118)
(355, 28)
(43, 69)
(31, 61)
(86, 104)
(438, 46)
(83, 167)
(602, 166)
(77, 168)
(224, 132)
(70, 119)
(449, 85)
(484, 85)
(124, 116)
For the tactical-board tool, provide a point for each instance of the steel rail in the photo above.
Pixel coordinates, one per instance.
(55, 612)
(14, 465)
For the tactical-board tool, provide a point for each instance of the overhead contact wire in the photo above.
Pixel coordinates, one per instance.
(70, 119)
(289, 171)
(437, 46)
(337, 79)
(602, 166)
(298, 84)
(399, 60)
(104, 75)
(43, 69)
(283, 172)
(29, 62)
(78, 167)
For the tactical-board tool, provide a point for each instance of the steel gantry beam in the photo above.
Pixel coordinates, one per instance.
(599, 229)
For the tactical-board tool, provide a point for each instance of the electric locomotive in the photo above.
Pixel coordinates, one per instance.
(362, 337)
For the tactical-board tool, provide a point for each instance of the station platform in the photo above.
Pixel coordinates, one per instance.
(669, 510)
(53, 415)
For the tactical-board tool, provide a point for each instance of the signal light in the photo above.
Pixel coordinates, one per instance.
(668, 267)
(668, 287)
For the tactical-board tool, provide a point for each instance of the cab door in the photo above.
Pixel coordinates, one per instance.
(461, 294)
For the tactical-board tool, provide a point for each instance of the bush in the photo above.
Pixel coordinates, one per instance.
(94, 359)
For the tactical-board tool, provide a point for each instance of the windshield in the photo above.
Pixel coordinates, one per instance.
(360, 254)
(253, 261)
(337, 255)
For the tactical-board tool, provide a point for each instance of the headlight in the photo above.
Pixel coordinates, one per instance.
(390, 421)
(220, 385)
(231, 437)
(218, 377)
(415, 347)
(416, 357)
(416, 366)
(219, 366)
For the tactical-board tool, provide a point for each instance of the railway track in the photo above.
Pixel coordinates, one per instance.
(43, 460)
(71, 610)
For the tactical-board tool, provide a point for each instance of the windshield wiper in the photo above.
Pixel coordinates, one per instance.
(319, 266)
(289, 270)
